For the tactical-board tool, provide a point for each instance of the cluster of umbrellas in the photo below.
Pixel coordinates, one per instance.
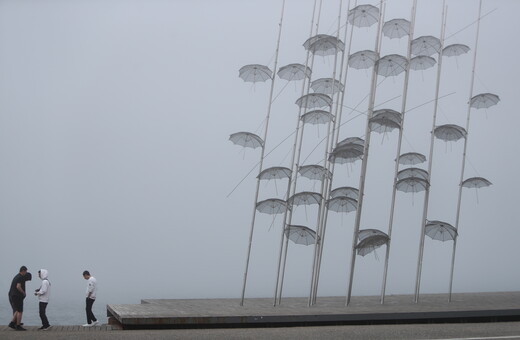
(315, 108)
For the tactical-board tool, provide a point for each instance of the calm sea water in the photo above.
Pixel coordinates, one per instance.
(59, 311)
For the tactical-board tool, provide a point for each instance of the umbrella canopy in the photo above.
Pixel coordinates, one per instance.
(412, 172)
(342, 204)
(272, 206)
(370, 240)
(412, 184)
(363, 59)
(351, 140)
(316, 172)
(323, 45)
(426, 45)
(317, 117)
(391, 65)
(449, 132)
(422, 62)
(314, 100)
(484, 100)
(440, 231)
(254, 73)
(304, 198)
(385, 120)
(476, 182)
(327, 86)
(345, 192)
(294, 72)
(454, 50)
(246, 139)
(412, 158)
(300, 234)
(396, 28)
(363, 15)
(346, 154)
(275, 172)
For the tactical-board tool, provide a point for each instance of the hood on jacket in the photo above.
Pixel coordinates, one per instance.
(44, 273)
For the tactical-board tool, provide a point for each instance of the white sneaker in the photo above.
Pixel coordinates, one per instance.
(87, 325)
(95, 323)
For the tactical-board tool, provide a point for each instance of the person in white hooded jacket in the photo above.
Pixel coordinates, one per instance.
(43, 293)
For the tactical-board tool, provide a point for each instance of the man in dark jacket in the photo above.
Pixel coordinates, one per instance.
(16, 296)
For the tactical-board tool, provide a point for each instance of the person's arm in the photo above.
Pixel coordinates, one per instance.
(19, 287)
(90, 289)
(43, 289)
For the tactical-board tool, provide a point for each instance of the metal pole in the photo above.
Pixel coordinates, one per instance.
(398, 153)
(365, 157)
(465, 149)
(430, 158)
(262, 156)
(294, 168)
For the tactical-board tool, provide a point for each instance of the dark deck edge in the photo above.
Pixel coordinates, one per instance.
(318, 320)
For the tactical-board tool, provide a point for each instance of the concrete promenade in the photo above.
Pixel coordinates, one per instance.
(217, 313)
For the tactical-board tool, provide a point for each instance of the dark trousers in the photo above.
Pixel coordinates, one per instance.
(45, 321)
(90, 315)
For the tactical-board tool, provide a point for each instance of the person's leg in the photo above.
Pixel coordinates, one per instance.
(43, 316)
(90, 315)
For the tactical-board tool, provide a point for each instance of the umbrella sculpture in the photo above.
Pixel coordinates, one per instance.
(370, 240)
(363, 15)
(327, 86)
(300, 234)
(317, 117)
(254, 73)
(484, 100)
(396, 28)
(412, 184)
(275, 172)
(348, 150)
(345, 192)
(342, 204)
(426, 45)
(454, 50)
(476, 182)
(316, 172)
(422, 62)
(363, 59)
(304, 198)
(385, 120)
(314, 100)
(272, 206)
(294, 72)
(440, 231)
(412, 172)
(412, 158)
(324, 45)
(449, 132)
(246, 139)
(391, 65)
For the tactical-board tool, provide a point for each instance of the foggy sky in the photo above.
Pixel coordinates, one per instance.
(114, 152)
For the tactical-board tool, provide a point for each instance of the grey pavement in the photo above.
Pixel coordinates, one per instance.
(504, 330)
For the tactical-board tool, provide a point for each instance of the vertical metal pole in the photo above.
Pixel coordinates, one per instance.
(330, 166)
(291, 188)
(465, 149)
(430, 159)
(262, 157)
(365, 158)
(398, 153)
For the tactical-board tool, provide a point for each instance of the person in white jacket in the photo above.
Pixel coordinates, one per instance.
(43, 293)
(91, 298)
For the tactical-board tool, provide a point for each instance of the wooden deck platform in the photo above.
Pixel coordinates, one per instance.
(215, 313)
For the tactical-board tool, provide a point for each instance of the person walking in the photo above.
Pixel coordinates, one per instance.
(43, 293)
(91, 298)
(17, 295)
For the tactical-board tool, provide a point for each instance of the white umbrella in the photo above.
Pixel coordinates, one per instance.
(363, 59)
(363, 15)
(246, 139)
(391, 65)
(300, 234)
(449, 132)
(396, 28)
(254, 73)
(484, 100)
(440, 231)
(426, 45)
(314, 100)
(294, 72)
(317, 117)
(412, 158)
